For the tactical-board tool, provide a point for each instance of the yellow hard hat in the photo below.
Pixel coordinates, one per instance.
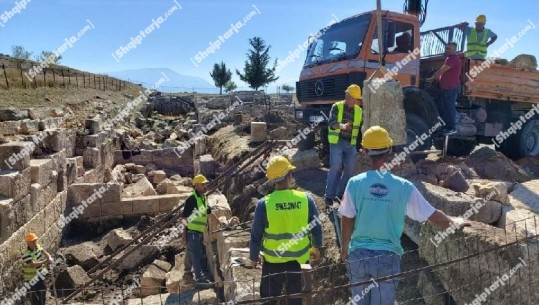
(376, 137)
(30, 237)
(278, 167)
(199, 179)
(481, 18)
(354, 91)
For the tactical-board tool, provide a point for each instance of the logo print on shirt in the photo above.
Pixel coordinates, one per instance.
(378, 190)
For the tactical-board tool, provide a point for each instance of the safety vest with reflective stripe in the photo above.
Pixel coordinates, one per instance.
(31, 272)
(333, 134)
(475, 47)
(286, 237)
(198, 219)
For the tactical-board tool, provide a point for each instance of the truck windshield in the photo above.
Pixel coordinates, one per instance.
(341, 41)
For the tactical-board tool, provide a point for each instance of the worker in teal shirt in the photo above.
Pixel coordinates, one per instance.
(373, 210)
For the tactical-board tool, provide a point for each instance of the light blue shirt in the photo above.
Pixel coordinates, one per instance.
(379, 201)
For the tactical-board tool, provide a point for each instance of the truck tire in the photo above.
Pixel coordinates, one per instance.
(456, 147)
(415, 127)
(524, 144)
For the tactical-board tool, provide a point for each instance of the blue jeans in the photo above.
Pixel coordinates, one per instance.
(342, 152)
(367, 265)
(195, 245)
(448, 107)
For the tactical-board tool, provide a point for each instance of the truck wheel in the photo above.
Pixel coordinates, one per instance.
(307, 143)
(415, 127)
(456, 147)
(526, 142)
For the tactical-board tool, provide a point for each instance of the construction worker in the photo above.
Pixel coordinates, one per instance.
(35, 259)
(479, 38)
(281, 225)
(373, 209)
(343, 130)
(448, 77)
(195, 214)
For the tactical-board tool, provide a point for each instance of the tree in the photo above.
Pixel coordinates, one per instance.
(255, 72)
(49, 57)
(230, 86)
(221, 75)
(287, 88)
(20, 55)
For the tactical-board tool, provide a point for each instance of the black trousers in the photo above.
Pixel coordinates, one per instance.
(38, 293)
(274, 278)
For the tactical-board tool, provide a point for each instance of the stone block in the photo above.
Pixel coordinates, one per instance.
(139, 169)
(259, 131)
(41, 170)
(71, 171)
(94, 125)
(13, 114)
(117, 238)
(50, 123)
(93, 210)
(15, 155)
(207, 165)
(200, 145)
(78, 193)
(153, 279)
(494, 190)
(146, 204)
(41, 196)
(10, 128)
(278, 133)
(15, 184)
(123, 207)
(29, 126)
(58, 160)
(71, 278)
(92, 157)
(142, 187)
(305, 159)
(159, 176)
(55, 139)
(94, 140)
(520, 221)
(169, 202)
(525, 196)
(142, 255)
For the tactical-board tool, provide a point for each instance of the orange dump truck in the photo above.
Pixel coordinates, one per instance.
(497, 104)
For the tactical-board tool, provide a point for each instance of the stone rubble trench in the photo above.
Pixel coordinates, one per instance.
(151, 179)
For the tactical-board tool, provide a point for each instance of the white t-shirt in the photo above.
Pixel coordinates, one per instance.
(418, 208)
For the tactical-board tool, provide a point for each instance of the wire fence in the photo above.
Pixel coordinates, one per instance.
(55, 77)
(494, 267)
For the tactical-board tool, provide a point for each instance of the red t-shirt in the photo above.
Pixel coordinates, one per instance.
(451, 78)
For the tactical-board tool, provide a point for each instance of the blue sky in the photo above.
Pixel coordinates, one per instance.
(44, 25)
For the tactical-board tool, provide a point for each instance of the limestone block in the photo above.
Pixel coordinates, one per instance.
(55, 139)
(16, 155)
(169, 202)
(92, 157)
(525, 196)
(142, 187)
(200, 145)
(259, 132)
(207, 165)
(94, 125)
(123, 207)
(159, 176)
(29, 126)
(10, 128)
(15, 184)
(117, 238)
(378, 97)
(72, 277)
(146, 204)
(494, 190)
(41, 170)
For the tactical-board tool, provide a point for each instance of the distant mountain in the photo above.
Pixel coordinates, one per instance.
(177, 82)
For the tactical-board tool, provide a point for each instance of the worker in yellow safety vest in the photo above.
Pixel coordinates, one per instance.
(479, 38)
(195, 215)
(35, 259)
(344, 124)
(282, 223)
